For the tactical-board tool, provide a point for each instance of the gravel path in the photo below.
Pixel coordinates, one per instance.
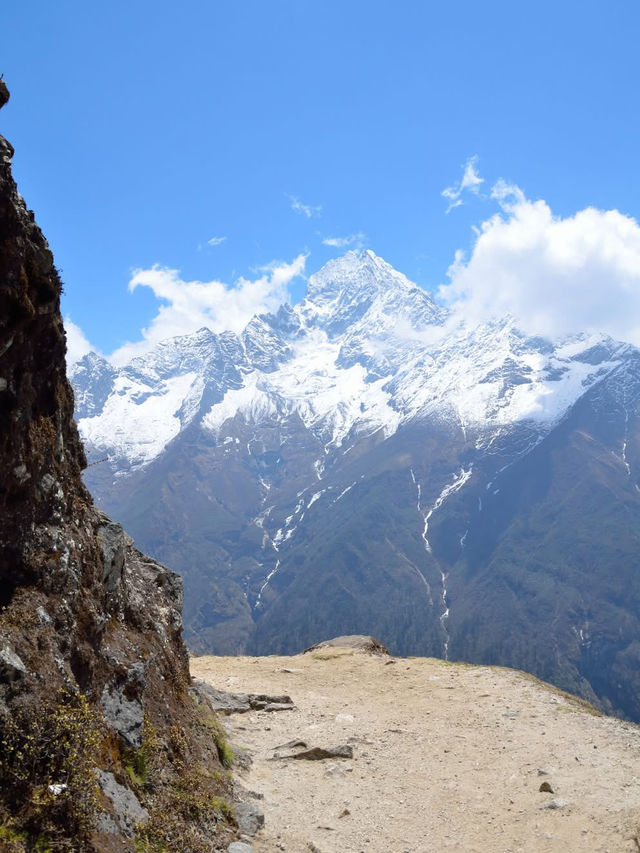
(445, 757)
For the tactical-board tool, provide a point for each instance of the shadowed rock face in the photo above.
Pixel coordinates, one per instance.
(90, 628)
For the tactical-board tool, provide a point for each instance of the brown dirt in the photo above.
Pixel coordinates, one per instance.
(446, 757)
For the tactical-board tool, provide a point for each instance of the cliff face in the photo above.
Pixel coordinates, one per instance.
(103, 747)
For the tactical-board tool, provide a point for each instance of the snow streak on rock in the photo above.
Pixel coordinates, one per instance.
(265, 584)
(420, 574)
(451, 488)
(344, 492)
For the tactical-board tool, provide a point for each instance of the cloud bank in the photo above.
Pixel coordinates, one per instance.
(77, 343)
(556, 276)
(187, 306)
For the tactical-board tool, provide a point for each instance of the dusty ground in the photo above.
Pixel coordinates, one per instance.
(446, 757)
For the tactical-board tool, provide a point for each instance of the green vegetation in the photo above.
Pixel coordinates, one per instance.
(47, 780)
(225, 750)
(188, 802)
(185, 807)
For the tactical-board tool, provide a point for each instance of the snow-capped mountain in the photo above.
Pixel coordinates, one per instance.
(366, 350)
(354, 464)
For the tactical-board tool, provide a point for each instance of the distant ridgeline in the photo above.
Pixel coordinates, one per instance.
(354, 465)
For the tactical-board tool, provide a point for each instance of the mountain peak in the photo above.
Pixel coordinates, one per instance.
(361, 272)
(362, 284)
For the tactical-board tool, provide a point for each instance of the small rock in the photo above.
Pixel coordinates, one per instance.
(11, 666)
(250, 818)
(277, 706)
(219, 700)
(259, 700)
(256, 795)
(125, 803)
(556, 803)
(43, 616)
(319, 753)
(112, 540)
(237, 703)
(344, 718)
(357, 642)
(547, 788)
(21, 474)
(125, 716)
(47, 483)
(292, 744)
(240, 847)
(546, 771)
(344, 813)
(242, 758)
(334, 769)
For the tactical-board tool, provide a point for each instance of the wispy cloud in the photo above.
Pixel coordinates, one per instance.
(469, 182)
(351, 240)
(186, 306)
(307, 210)
(215, 241)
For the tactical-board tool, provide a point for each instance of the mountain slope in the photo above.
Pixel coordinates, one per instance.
(360, 463)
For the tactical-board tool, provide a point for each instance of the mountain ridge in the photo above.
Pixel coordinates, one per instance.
(219, 362)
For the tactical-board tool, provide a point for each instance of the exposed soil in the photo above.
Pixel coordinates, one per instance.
(446, 757)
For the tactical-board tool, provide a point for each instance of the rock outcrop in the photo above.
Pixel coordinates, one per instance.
(103, 747)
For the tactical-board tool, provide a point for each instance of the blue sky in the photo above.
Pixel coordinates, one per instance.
(144, 130)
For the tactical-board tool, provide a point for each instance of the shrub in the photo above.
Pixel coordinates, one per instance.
(47, 779)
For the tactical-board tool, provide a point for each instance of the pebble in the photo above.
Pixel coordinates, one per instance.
(556, 803)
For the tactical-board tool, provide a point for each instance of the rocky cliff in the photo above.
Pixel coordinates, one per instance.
(103, 747)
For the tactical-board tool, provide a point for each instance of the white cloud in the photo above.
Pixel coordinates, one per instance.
(340, 242)
(307, 210)
(215, 241)
(189, 305)
(77, 343)
(554, 275)
(469, 182)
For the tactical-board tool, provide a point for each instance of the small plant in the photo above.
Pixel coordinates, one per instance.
(136, 766)
(187, 813)
(141, 765)
(11, 840)
(225, 750)
(47, 761)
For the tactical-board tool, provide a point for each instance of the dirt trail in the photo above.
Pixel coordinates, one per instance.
(446, 757)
